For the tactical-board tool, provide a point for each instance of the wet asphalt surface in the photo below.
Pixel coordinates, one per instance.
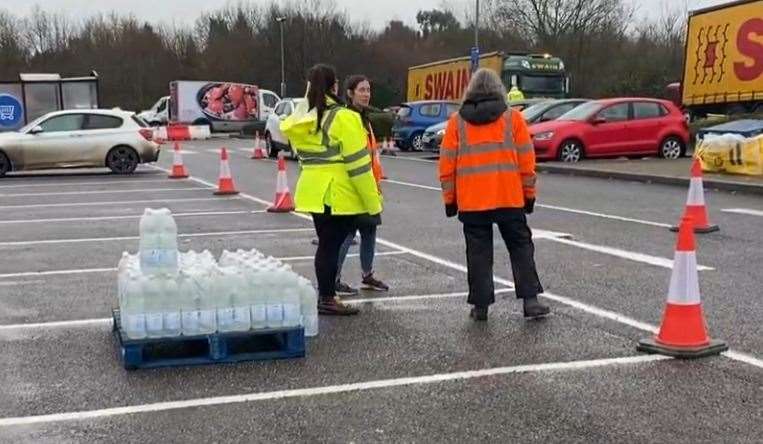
(62, 233)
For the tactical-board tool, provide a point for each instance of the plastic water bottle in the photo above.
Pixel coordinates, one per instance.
(190, 313)
(158, 242)
(236, 299)
(273, 296)
(292, 313)
(258, 296)
(204, 293)
(168, 234)
(152, 293)
(170, 307)
(132, 309)
(309, 305)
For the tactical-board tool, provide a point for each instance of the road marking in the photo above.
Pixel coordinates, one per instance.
(133, 216)
(332, 389)
(746, 211)
(625, 254)
(123, 238)
(412, 159)
(108, 321)
(112, 269)
(586, 308)
(118, 202)
(309, 258)
(71, 184)
(553, 207)
(72, 193)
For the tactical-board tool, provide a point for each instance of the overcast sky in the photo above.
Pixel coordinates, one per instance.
(374, 12)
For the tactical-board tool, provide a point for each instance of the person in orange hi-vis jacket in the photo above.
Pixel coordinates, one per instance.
(487, 172)
(358, 96)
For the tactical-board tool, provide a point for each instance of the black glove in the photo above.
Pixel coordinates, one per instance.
(451, 210)
(529, 206)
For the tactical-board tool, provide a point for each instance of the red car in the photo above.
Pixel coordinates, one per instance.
(613, 127)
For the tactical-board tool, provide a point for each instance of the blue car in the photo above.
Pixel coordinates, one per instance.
(414, 118)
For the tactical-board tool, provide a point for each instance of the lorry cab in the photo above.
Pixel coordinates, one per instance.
(159, 113)
(536, 75)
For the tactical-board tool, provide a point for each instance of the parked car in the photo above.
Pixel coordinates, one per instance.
(414, 118)
(433, 136)
(115, 139)
(550, 110)
(613, 127)
(274, 138)
(520, 105)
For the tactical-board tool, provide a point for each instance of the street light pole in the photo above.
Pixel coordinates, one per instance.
(283, 63)
(477, 25)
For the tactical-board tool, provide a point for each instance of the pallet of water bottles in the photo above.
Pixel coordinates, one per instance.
(215, 348)
(187, 308)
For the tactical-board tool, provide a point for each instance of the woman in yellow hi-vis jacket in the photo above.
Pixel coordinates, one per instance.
(336, 185)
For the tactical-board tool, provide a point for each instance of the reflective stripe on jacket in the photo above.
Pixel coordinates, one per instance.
(336, 164)
(487, 167)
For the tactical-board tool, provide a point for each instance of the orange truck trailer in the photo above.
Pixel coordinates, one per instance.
(723, 71)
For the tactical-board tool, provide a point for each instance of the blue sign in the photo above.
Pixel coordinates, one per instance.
(11, 111)
(475, 58)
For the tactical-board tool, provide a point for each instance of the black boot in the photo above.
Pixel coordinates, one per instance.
(534, 309)
(479, 313)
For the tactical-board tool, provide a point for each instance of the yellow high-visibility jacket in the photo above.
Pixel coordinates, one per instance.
(336, 165)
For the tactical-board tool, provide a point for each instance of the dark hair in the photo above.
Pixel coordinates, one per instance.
(350, 84)
(322, 78)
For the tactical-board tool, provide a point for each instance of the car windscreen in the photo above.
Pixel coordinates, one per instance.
(582, 112)
(141, 123)
(403, 112)
(532, 112)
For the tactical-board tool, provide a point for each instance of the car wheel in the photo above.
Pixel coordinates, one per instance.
(671, 148)
(570, 151)
(122, 160)
(417, 142)
(5, 164)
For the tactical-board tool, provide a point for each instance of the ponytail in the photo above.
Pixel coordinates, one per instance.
(322, 78)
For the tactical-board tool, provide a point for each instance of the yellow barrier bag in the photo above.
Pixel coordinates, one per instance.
(731, 153)
(746, 157)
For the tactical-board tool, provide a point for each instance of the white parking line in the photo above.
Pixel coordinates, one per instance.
(328, 390)
(124, 238)
(109, 270)
(132, 216)
(119, 202)
(71, 184)
(625, 254)
(411, 159)
(745, 211)
(586, 308)
(552, 207)
(108, 321)
(77, 193)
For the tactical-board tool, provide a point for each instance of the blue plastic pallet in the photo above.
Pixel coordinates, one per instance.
(217, 348)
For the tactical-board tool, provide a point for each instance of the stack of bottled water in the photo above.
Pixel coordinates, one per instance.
(164, 293)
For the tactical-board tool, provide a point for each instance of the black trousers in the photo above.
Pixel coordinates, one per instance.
(332, 231)
(479, 258)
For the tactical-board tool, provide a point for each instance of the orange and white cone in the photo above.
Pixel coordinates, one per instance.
(225, 184)
(178, 168)
(283, 202)
(258, 152)
(378, 161)
(695, 202)
(683, 332)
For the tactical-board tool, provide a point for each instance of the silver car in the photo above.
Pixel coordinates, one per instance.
(115, 139)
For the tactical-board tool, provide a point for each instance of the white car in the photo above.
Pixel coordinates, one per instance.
(275, 139)
(115, 139)
(159, 114)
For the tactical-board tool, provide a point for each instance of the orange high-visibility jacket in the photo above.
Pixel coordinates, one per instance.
(487, 167)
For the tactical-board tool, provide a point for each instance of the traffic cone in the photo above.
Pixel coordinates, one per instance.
(178, 168)
(259, 152)
(683, 333)
(225, 182)
(377, 157)
(283, 202)
(695, 202)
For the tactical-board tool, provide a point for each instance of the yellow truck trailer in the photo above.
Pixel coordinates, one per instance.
(723, 71)
(537, 75)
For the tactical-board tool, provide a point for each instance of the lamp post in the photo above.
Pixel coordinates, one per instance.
(477, 24)
(280, 21)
